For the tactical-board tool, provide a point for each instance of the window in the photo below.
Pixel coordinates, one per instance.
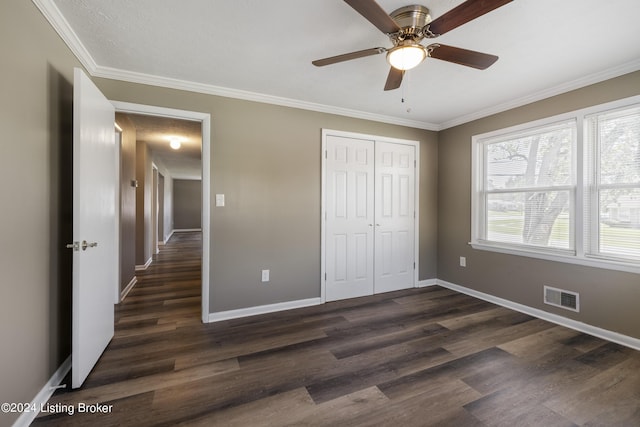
(565, 188)
(613, 139)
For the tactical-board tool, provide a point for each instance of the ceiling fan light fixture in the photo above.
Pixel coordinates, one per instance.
(406, 56)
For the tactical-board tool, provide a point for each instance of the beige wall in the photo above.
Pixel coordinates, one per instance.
(143, 203)
(608, 299)
(127, 201)
(167, 221)
(187, 204)
(35, 154)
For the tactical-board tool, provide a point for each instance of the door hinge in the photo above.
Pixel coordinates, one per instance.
(326, 156)
(325, 277)
(415, 164)
(414, 265)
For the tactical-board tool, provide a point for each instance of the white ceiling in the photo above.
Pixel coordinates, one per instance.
(262, 50)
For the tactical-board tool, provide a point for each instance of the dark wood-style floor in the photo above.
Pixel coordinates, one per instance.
(412, 358)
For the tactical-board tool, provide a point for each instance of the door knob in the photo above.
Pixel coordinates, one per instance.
(86, 245)
(75, 246)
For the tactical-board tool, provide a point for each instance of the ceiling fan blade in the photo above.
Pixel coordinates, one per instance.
(470, 58)
(394, 79)
(348, 56)
(467, 11)
(374, 14)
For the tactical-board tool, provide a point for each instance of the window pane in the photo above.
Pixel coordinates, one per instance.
(540, 159)
(620, 222)
(533, 218)
(619, 139)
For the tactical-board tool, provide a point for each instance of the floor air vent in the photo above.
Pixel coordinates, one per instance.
(562, 298)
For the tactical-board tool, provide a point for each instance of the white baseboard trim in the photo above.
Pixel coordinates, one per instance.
(44, 395)
(262, 309)
(605, 334)
(185, 230)
(427, 282)
(145, 266)
(128, 288)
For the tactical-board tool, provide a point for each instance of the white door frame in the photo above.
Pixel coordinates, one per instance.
(205, 119)
(118, 132)
(323, 212)
(154, 209)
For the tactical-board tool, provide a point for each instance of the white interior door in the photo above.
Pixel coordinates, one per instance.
(395, 217)
(349, 194)
(95, 258)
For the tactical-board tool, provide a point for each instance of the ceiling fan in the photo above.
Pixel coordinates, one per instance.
(408, 26)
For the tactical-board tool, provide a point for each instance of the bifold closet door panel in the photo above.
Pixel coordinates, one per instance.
(394, 260)
(350, 217)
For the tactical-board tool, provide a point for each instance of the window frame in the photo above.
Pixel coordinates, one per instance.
(583, 193)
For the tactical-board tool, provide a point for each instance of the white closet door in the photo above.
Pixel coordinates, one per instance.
(349, 217)
(394, 213)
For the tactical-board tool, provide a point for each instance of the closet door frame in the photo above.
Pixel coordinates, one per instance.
(323, 213)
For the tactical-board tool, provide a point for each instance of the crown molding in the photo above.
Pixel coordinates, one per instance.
(52, 14)
(167, 82)
(581, 82)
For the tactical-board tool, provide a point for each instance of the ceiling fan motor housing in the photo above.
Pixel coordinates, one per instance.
(411, 19)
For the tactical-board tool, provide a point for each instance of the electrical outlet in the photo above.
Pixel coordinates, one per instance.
(265, 275)
(463, 261)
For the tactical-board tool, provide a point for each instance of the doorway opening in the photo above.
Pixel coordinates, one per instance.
(157, 168)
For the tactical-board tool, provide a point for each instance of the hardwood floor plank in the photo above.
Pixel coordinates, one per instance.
(155, 382)
(276, 410)
(511, 407)
(612, 397)
(432, 407)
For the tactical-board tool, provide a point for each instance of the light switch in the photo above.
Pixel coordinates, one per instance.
(219, 199)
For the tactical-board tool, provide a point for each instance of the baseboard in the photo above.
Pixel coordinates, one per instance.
(427, 282)
(128, 288)
(605, 334)
(262, 309)
(145, 266)
(185, 230)
(44, 395)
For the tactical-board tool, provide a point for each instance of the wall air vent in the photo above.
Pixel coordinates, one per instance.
(561, 298)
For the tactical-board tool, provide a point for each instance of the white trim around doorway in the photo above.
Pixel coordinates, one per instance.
(205, 119)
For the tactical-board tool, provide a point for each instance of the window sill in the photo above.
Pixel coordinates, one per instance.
(559, 256)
